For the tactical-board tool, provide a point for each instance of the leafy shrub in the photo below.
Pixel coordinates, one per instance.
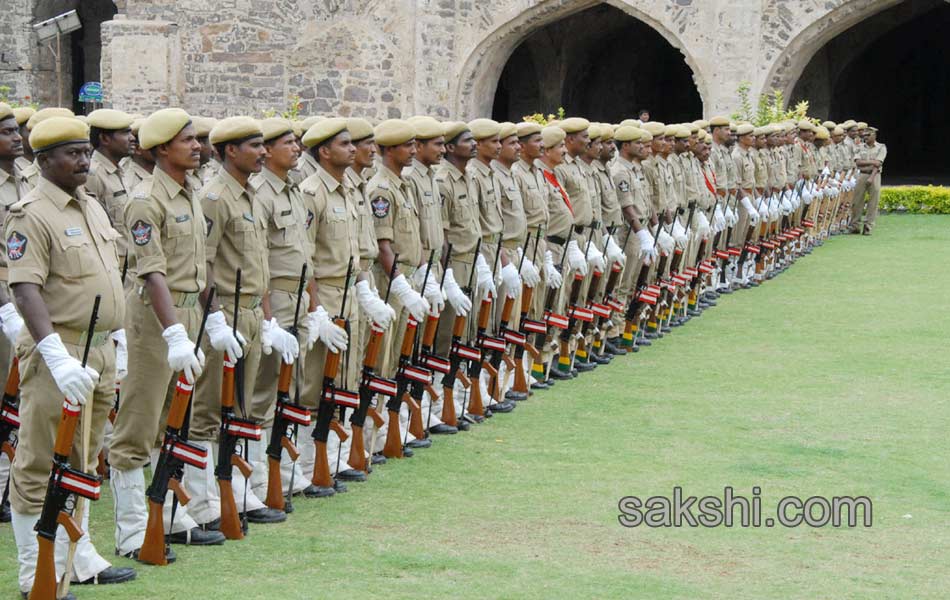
(917, 199)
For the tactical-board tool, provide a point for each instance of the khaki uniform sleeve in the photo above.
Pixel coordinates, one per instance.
(624, 184)
(215, 221)
(28, 244)
(381, 204)
(445, 198)
(144, 221)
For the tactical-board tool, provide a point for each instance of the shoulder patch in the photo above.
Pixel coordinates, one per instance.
(380, 207)
(141, 232)
(208, 223)
(309, 218)
(16, 246)
(623, 186)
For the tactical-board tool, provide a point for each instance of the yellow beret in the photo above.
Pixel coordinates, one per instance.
(829, 125)
(359, 129)
(701, 123)
(507, 130)
(552, 135)
(681, 131)
(654, 128)
(745, 129)
(235, 128)
(203, 125)
(162, 126)
(310, 122)
(719, 122)
(426, 128)
(393, 132)
(484, 128)
(574, 125)
(57, 131)
(594, 131)
(872, 129)
(453, 129)
(323, 130)
(45, 113)
(848, 124)
(136, 124)
(821, 133)
(23, 114)
(627, 133)
(646, 136)
(838, 130)
(110, 119)
(806, 125)
(861, 125)
(701, 136)
(276, 127)
(631, 123)
(6, 111)
(606, 132)
(526, 128)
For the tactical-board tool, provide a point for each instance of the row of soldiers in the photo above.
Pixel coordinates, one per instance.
(330, 295)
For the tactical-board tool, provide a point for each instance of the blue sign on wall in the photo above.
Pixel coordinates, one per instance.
(91, 91)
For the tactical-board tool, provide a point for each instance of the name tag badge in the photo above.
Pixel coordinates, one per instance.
(119, 193)
(73, 231)
(427, 193)
(248, 217)
(182, 218)
(285, 213)
(338, 210)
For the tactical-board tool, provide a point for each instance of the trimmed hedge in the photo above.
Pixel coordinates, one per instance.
(916, 199)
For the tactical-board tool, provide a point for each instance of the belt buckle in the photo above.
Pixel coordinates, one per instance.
(98, 338)
(188, 299)
(256, 303)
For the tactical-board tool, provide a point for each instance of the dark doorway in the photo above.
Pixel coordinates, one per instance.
(892, 71)
(600, 63)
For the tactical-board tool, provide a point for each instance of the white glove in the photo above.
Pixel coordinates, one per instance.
(647, 250)
(613, 252)
(11, 321)
(774, 210)
(455, 295)
(511, 279)
(826, 171)
(417, 306)
(274, 337)
(222, 338)
(854, 182)
(324, 329)
(75, 382)
(529, 273)
(665, 241)
(806, 196)
(551, 273)
(731, 217)
(433, 294)
(181, 353)
(486, 281)
(750, 210)
(679, 235)
(121, 354)
(702, 225)
(795, 200)
(719, 220)
(787, 206)
(378, 311)
(575, 258)
(763, 210)
(596, 258)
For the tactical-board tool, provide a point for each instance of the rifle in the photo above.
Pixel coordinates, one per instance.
(596, 312)
(64, 481)
(115, 405)
(370, 385)
(406, 373)
(678, 257)
(175, 453)
(509, 336)
(458, 353)
(638, 297)
(427, 357)
(609, 304)
(574, 312)
(330, 397)
(527, 326)
(487, 344)
(425, 360)
(288, 416)
(10, 420)
(233, 429)
(549, 317)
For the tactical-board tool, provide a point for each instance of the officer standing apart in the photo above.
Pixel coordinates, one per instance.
(870, 162)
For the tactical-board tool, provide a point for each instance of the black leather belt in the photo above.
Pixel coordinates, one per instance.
(556, 239)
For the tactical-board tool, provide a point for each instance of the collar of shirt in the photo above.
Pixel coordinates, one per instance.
(393, 178)
(56, 194)
(526, 165)
(421, 168)
(453, 171)
(329, 181)
(103, 161)
(599, 166)
(496, 165)
(356, 180)
(275, 182)
(4, 175)
(483, 169)
(232, 184)
(624, 162)
(170, 185)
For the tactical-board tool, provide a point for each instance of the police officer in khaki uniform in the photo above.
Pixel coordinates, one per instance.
(141, 163)
(61, 252)
(870, 162)
(209, 164)
(31, 172)
(167, 229)
(22, 115)
(334, 237)
(397, 225)
(111, 135)
(236, 240)
(288, 253)
(745, 168)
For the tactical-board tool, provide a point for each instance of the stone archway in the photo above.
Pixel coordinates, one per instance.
(481, 71)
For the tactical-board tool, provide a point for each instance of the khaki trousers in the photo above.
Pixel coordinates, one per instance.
(872, 187)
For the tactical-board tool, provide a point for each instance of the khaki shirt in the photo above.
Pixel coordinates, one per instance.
(282, 208)
(31, 174)
(22, 162)
(515, 222)
(134, 175)
(745, 168)
(425, 189)
(724, 167)
(306, 166)
(571, 176)
(708, 198)
(167, 228)
(105, 185)
(660, 180)
(791, 164)
(609, 202)
(705, 197)
(236, 237)
(778, 175)
(488, 195)
(761, 176)
(560, 204)
(12, 189)
(804, 157)
(66, 245)
(207, 171)
(334, 234)
(876, 152)
(369, 249)
(460, 220)
(396, 216)
(631, 187)
(532, 185)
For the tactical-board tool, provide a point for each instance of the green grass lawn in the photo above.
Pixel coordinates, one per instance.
(829, 380)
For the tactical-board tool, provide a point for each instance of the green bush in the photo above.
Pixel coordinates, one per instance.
(917, 199)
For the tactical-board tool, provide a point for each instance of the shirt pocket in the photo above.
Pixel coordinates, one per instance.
(243, 232)
(280, 233)
(335, 220)
(179, 236)
(80, 258)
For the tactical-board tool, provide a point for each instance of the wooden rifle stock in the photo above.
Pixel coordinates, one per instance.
(357, 457)
(331, 367)
(275, 492)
